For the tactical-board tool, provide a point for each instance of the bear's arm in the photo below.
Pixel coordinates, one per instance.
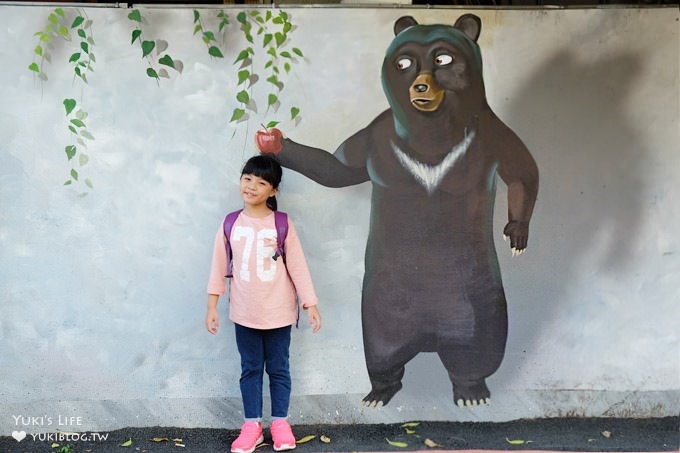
(345, 167)
(518, 170)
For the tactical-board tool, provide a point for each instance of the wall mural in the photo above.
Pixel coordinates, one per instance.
(432, 281)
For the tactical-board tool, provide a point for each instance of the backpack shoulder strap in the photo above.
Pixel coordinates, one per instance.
(281, 221)
(227, 225)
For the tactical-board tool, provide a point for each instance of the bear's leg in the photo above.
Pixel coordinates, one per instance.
(470, 361)
(387, 348)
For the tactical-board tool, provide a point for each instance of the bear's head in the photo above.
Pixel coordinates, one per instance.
(432, 77)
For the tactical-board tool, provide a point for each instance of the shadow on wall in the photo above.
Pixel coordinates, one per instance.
(590, 203)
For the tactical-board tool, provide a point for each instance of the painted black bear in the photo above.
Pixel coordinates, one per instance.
(432, 281)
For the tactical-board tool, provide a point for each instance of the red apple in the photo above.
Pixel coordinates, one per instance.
(269, 140)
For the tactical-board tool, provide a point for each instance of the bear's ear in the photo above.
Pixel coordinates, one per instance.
(403, 23)
(469, 24)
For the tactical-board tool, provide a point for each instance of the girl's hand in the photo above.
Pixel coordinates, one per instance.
(314, 318)
(212, 320)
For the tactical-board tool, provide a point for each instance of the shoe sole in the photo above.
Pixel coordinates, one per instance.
(284, 447)
(240, 450)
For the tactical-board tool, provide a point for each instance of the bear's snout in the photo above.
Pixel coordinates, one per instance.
(425, 93)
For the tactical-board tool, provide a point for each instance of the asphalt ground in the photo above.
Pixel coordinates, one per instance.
(556, 434)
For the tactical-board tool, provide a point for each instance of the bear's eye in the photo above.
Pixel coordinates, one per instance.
(404, 63)
(443, 60)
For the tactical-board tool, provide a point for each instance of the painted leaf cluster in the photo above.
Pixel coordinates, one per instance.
(153, 50)
(268, 32)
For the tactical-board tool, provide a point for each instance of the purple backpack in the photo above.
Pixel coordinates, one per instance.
(281, 221)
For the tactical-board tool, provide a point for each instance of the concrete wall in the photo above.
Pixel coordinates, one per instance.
(102, 295)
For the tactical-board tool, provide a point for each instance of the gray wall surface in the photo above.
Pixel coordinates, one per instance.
(102, 289)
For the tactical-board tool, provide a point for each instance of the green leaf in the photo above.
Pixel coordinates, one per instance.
(297, 52)
(242, 18)
(72, 129)
(223, 24)
(395, 443)
(77, 123)
(515, 441)
(286, 54)
(34, 67)
(210, 36)
(135, 15)
(74, 174)
(147, 47)
(68, 182)
(273, 80)
(280, 38)
(69, 105)
(272, 99)
(77, 21)
(70, 151)
(84, 133)
(237, 115)
(127, 443)
(197, 16)
(85, 47)
(136, 33)
(272, 124)
(197, 28)
(287, 27)
(305, 439)
(410, 424)
(294, 112)
(286, 67)
(167, 61)
(241, 56)
(151, 72)
(272, 52)
(269, 63)
(243, 76)
(59, 12)
(38, 50)
(215, 52)
(53, 18)
(82, 33)
(243, 97)
(63, 32)
(267, 39)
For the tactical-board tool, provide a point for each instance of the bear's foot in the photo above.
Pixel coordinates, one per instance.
(380, 397)
(471, 393)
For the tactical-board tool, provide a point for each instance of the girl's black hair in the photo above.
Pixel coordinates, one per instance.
(265, 166)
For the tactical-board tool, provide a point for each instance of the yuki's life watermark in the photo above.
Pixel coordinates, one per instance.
(39, 429)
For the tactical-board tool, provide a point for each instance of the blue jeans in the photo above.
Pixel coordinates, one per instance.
(264, 350)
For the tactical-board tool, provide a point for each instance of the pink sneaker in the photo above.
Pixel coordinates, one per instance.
(251, 436)
(282, 435)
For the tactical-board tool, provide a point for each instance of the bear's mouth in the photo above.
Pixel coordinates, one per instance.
(427, 104)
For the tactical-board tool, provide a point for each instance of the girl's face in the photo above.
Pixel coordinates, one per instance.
(255, 191)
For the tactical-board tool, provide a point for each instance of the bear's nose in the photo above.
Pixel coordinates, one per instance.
(420, 87)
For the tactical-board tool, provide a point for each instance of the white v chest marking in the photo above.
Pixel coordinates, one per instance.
(430, 176)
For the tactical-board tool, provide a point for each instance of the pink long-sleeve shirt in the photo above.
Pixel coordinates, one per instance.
(262, 293)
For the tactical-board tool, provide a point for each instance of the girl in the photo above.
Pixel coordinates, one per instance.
(262, 301)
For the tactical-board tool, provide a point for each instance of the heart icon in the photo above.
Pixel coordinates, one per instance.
(19, 435)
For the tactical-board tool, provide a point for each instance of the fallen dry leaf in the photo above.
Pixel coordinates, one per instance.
(410, 424)
(432, 444)
(160, 439)
(606, 434)
(127, 443)
(395, 443)
(410, 431)
(325, 439)
(306, 439)
(515, 441)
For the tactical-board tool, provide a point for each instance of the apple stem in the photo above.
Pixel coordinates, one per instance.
(265, 127)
